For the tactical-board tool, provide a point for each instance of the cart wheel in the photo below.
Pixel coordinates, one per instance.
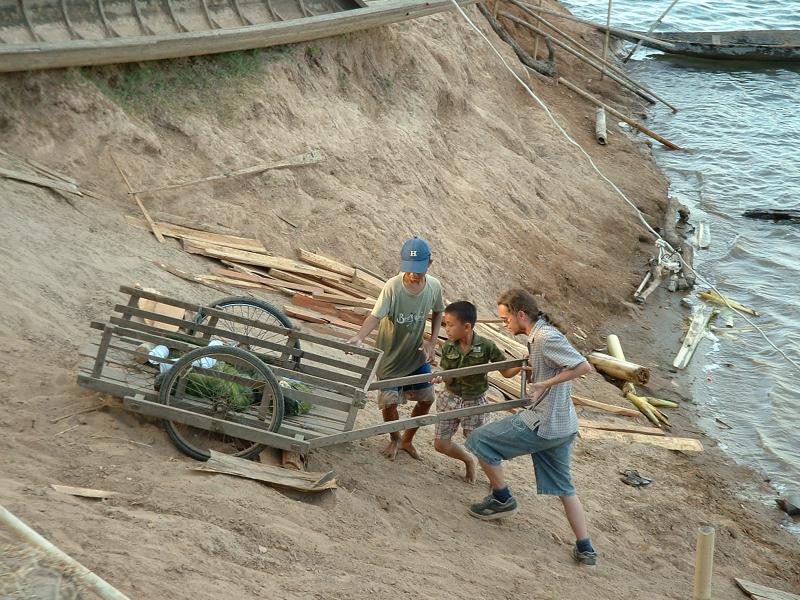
(256, 310)
(226, 383)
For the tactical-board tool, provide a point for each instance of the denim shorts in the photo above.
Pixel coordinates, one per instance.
(416, 392)
(511, 437)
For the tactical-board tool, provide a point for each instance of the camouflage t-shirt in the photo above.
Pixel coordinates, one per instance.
(403, 316)
(481, 351)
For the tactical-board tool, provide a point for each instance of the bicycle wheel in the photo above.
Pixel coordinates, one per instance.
(225, 383)
(255, 310)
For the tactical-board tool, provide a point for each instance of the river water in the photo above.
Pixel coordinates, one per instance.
(741, 123)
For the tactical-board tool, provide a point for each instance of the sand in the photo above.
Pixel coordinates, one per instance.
(423, 134)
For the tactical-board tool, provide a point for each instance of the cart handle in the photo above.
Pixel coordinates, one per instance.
(462, 372)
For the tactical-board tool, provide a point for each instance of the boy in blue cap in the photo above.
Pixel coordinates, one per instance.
(400, 313)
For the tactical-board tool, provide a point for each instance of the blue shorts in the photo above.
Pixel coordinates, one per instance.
(511, 437)
(416, 392)
(424, 369)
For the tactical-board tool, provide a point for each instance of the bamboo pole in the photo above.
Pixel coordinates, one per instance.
(619, 115)
(81, 573)
(704, 563)
(536, 41)
(616, 31)
(649, 31)
(619, 369)
(605, 40)
(578, 55)
(529, 10)
(148, 218)
(600, 126)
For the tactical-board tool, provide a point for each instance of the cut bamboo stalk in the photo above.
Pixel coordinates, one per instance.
(588, 51)
(649, 31)
(153, 226)
(309, 158)
(620, 369)
(697, 331)
(605, 40)
(600, 133)
(77, 570)
(619, 115)
(595, 65)
(703, 564)
(614, 347)
(536, 41)
(715, 298)
(644, 407)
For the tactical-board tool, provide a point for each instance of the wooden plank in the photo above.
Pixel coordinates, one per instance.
(297, 480)
(245, 432)
(204, 237)
(756, 589)
(148, 218)
(55, 184)
(315, 317)
(323, 262)
(670, 443)
(83, 492)
(306, 301)
(337, 287)
(367, 282)
(611, 408)
(462, 372)
(250, 258)
(421, 421)
(268, 281)
(346, 300)
(72, 53)
(608, 426)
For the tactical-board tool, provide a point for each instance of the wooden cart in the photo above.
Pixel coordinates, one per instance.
(239, 377)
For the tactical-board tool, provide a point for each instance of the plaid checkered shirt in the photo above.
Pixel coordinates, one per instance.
(550, 352)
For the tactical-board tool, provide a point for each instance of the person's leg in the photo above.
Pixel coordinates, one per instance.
(454, 450)
(445, 430)
(576, 517)
(424, 398)
(388, 401)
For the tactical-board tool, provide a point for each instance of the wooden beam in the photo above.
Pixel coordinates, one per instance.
(323, 262)
(610, 408)
(670, 443)
(200, 237)
(623, 427)
(462, 372)
(297, 480)
(75, 53)
(762, 591)
(148, 218)
(61, 186)
(250, 258)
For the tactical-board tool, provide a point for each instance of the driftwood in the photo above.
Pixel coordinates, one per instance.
(619, 369)
(547, 67)
(619, 115)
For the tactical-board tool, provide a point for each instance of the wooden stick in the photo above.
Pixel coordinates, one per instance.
(703, 564)
(80, 412)
(536, 41)
(600, 126)
(619, 115)
(153, 226)
(605, 40)
(595, 65)
(529, 10)
(649, 31)
(81, 573)
(309, 158)
(623, 33)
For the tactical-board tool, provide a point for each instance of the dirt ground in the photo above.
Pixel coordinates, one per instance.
(423, 134)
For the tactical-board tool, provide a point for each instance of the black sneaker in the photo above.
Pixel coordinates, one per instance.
(491, 508)
(586, 559)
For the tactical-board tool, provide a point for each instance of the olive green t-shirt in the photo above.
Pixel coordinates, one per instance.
(403, 316)
(480, 352)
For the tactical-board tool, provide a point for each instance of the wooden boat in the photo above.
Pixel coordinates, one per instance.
(45, 34)
(764, 45)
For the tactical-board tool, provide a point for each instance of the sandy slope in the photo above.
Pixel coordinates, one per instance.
(423, 135)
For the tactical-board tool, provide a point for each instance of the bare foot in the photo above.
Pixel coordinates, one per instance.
(472, 475)
(409, 447)
(390, 451)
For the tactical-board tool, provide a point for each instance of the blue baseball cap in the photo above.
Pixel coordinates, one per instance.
(415, 256)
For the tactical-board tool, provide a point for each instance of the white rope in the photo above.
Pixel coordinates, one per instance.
(660, 240)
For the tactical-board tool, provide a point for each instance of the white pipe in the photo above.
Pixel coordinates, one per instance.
(76, 569)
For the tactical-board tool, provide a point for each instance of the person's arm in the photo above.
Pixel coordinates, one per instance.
(497, 355)
(429, 346)
(558, 350)
(369, 324)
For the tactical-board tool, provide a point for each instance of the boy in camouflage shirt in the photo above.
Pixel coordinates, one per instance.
(464, 348)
